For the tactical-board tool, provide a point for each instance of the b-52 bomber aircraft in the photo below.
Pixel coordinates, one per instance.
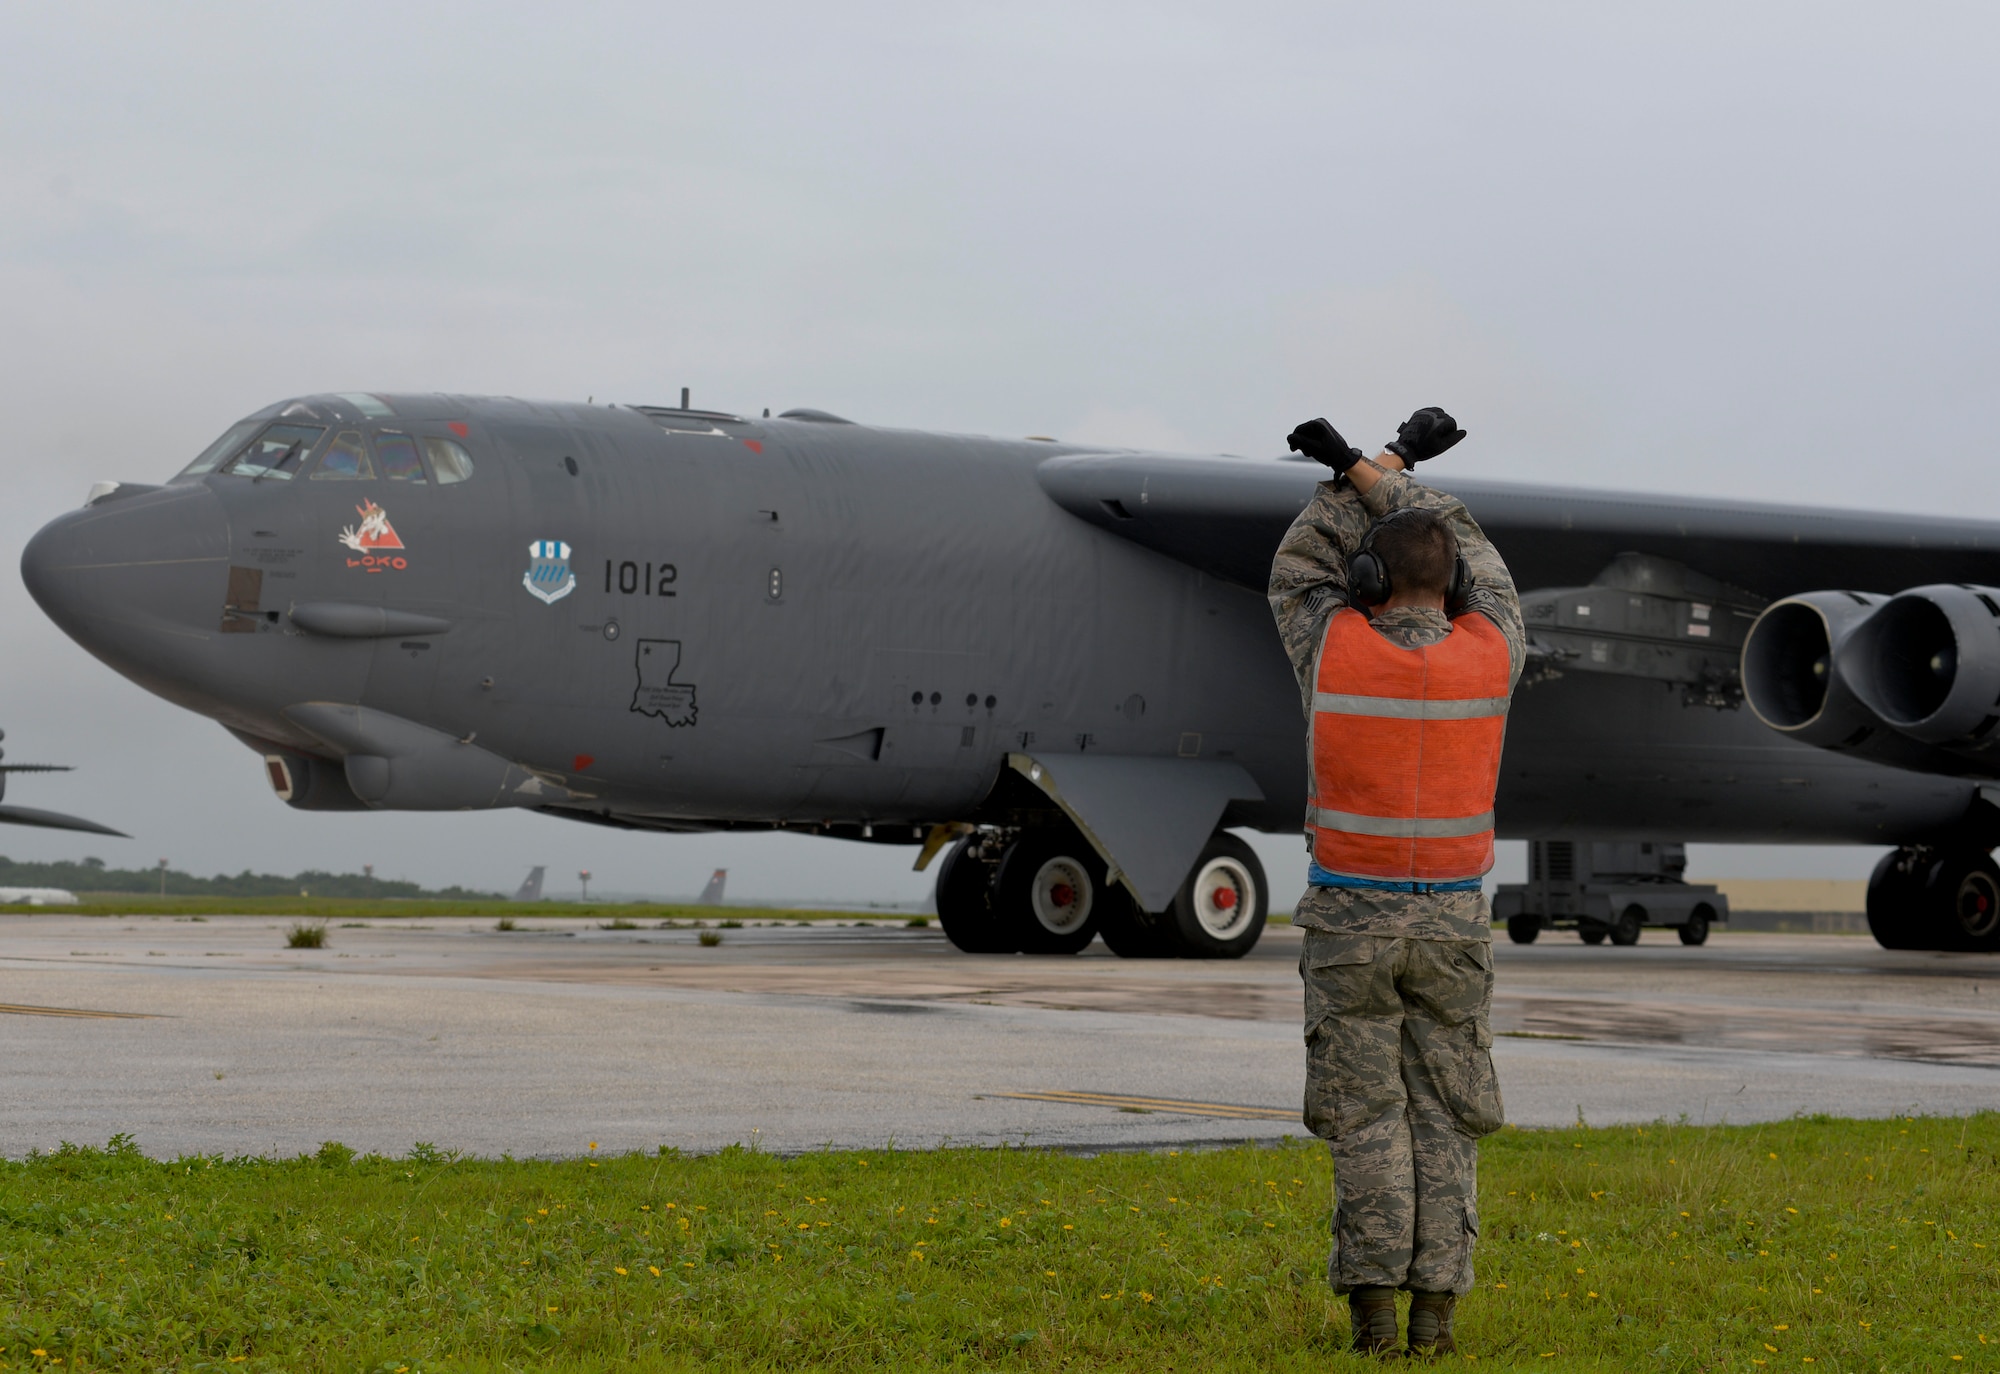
(1054, 665)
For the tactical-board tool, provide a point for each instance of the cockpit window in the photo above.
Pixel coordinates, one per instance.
(374, 407)
(279, 451)
(449, 461)
(346, 460)
(398, 453)
(225, 447)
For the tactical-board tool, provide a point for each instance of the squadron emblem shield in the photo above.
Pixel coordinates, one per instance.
(548, 578)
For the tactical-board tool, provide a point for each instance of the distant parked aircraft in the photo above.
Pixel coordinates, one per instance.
(712, 894)
(36, 896)
(531, 886)
(50, 820)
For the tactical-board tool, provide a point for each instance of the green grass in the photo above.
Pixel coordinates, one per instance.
(339, 908)
(306, 935)
(1855, 1245)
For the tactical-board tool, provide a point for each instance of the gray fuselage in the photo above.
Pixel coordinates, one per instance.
(811, 623)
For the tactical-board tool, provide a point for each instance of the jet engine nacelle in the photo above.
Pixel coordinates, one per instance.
(1792, 668)
(1928, 663)
(1910, 680)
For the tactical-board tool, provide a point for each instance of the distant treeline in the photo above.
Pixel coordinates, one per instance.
(92, 876)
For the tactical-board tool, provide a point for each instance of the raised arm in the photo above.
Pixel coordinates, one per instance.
(1309, 574)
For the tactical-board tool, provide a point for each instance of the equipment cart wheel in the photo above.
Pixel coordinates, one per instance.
(1591, 933)
(1695, 932)
(1625, 930)
(1522, 930)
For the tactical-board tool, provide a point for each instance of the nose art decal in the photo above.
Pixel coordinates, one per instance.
(549, 578)
(375, 540)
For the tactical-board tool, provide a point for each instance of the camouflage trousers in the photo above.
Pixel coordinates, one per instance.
(1400, 1082)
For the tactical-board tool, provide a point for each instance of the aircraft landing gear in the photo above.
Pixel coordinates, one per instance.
(1045, 892)
(1041, 894)
(965, 899)
(1925, 898)
(1219, 911)
(1522, 930)
(1131, 933)
(1048, 892)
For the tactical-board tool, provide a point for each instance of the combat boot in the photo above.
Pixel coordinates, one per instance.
(1372, 1314)
(1430, 1324)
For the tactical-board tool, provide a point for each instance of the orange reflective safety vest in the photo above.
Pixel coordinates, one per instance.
(1406, 755)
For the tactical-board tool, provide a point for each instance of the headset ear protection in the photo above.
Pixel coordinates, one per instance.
(1368, 576)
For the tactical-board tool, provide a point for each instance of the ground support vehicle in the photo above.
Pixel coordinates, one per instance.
(1608, 891)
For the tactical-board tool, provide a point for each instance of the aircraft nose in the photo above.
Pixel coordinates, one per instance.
(130, 576)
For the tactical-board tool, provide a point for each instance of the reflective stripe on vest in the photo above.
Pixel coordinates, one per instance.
(1439, 828)
(1403, 709)
(1406, 752)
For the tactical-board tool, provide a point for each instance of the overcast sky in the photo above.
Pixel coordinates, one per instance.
(1729, 248)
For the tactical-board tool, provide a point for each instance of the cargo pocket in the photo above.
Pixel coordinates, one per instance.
(1458, 1053)
(1330, 964)
(1462, 1069)
(1471, 1242)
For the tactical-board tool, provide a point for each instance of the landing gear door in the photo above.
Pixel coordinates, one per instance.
(1148, 818)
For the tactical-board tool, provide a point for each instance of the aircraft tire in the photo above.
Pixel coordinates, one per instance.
(964, 902)
(1897, 915)
(1048, 893)
(1695, 932)
(1131, 933)
(1961, 897)
(1625, 929)
(1592, 934)
(1220, 910)
(1522, 930)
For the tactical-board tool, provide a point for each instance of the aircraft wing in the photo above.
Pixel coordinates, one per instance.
(1226, 516)
(53, 820)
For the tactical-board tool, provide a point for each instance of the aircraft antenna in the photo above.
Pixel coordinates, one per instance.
(684, 398)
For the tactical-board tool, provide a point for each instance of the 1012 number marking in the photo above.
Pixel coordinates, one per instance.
(642, 579)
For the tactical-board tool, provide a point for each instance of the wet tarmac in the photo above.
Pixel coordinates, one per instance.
(211, 1036)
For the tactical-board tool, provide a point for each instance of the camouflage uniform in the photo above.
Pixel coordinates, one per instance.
(1398, 985)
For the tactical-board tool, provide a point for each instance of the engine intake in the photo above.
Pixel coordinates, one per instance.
(1793, 674)
(1928, 663)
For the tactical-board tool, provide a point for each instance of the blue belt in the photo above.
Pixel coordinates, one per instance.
(1319, 877)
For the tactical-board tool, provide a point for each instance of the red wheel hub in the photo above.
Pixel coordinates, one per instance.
(1062, 894)
(1225, 899)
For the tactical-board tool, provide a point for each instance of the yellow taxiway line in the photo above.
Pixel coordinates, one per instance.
(1164, 1105)
(13, 1009)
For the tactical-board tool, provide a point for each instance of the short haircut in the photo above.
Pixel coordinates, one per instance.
(1419, 551)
